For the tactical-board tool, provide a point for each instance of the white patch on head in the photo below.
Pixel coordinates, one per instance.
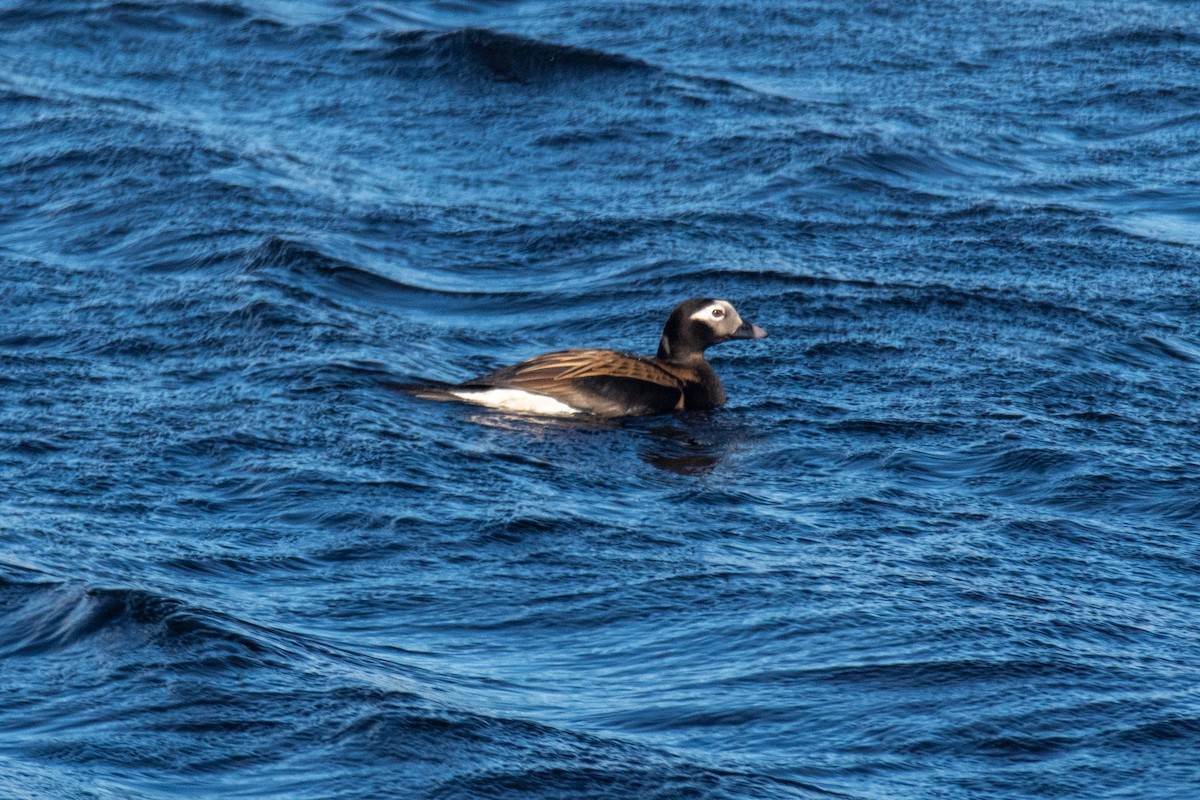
(516, 400)
(716, 311)
(720, 316)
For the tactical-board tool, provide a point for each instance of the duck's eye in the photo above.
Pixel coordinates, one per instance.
(718, 313)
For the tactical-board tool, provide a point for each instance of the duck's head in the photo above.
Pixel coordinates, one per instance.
(698, 324)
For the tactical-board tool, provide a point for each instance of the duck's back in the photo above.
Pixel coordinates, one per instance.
(601, 382)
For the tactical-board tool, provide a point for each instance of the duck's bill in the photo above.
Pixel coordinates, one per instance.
(748, 331)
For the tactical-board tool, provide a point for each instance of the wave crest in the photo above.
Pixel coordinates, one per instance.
(503, 56)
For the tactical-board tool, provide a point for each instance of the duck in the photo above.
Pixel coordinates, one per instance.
(607, 383)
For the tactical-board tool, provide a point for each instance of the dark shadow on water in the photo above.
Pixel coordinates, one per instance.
(692, 444)
(687, 447)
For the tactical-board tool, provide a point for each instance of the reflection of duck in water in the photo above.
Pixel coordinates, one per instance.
(606, 383)
(689, 450)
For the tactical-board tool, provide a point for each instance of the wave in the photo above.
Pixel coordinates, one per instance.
(1178, 731)
(136, 16)
(291, 272)
(991, 462)
(607, 778)
(494, 56)
(502, 56)
(292, 257)
(1093, 365)
(288, 256)
(30, 779)
(181, 681)
(51, 617)
(1137, 38)
(10, 97)
(868, 165)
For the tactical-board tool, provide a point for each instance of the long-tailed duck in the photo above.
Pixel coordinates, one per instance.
(606, 383)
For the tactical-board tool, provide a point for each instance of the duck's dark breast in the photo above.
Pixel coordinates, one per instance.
(703, 389)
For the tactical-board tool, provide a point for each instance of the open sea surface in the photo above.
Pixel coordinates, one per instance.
(943, 542)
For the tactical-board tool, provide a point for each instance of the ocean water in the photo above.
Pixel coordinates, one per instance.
(943, 541)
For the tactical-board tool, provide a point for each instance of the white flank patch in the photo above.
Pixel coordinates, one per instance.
(516, 400)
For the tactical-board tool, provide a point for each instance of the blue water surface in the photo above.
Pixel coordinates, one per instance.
(943, 542)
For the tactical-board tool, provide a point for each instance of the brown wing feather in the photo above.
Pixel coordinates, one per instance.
(574, 364)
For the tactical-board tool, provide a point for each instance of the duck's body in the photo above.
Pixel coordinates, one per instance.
(600, 382)
(606, 383)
